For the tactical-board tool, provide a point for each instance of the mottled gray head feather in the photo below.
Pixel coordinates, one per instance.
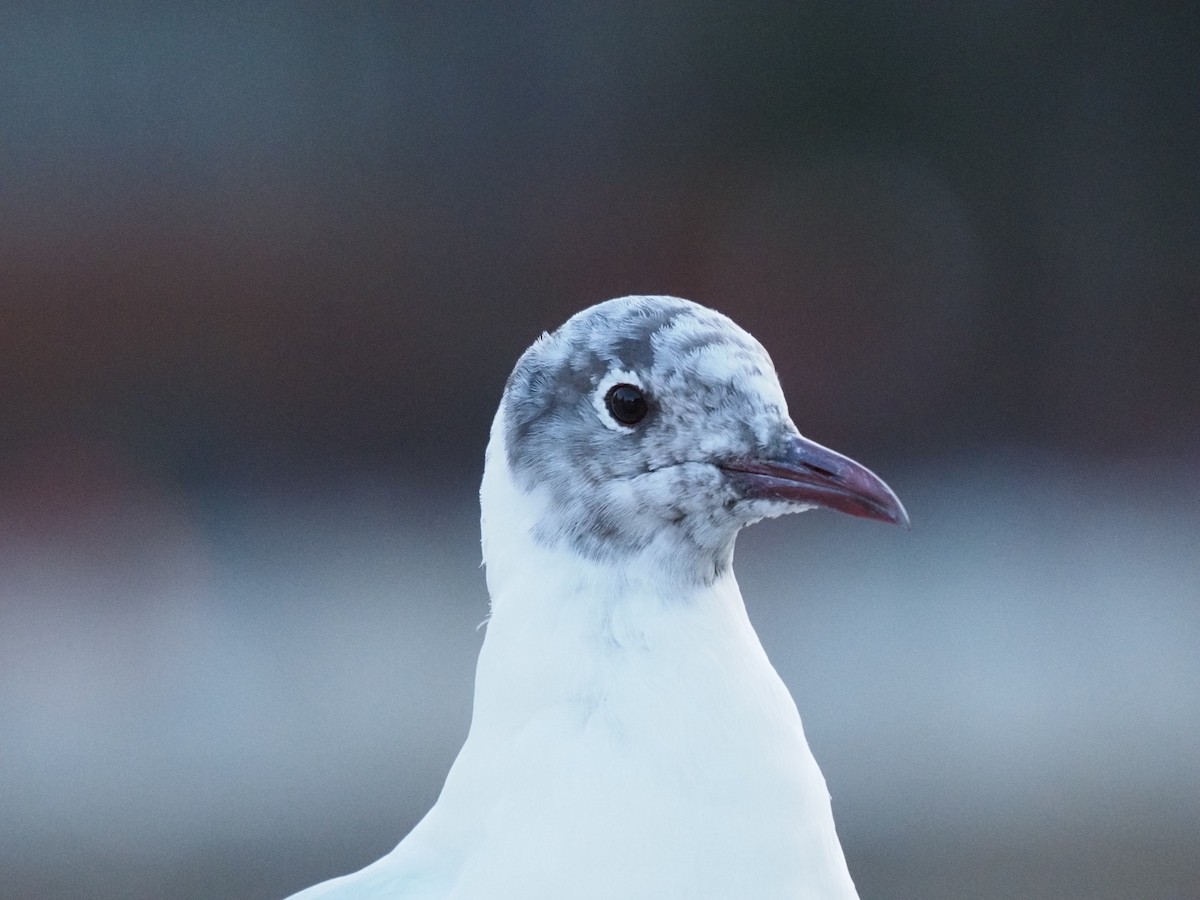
(713, 395)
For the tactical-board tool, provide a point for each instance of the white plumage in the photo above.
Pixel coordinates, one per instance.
(630, 738)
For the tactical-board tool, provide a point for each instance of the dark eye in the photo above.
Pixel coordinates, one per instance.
(626, 403)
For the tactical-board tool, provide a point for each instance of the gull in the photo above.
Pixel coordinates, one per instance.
(629, 737)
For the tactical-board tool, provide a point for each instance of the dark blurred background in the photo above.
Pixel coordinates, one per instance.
(264, 269)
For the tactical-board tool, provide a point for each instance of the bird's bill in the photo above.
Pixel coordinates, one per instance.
(817, 476)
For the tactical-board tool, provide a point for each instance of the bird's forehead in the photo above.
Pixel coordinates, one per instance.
(651, 336)
(709, 348)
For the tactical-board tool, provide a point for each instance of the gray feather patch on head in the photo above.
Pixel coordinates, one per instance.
(711, 389)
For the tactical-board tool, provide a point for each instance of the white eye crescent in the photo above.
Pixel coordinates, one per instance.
(620, 401)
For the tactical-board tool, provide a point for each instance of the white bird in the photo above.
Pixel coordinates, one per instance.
(630, 738)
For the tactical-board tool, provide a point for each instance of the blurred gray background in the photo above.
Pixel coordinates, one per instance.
(265, 267)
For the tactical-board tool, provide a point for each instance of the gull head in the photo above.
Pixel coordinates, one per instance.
(654, 429)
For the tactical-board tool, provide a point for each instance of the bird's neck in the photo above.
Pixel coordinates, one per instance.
(563, 625)
(612, 642)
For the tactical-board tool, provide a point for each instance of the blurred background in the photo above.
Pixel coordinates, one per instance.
(265, 267)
